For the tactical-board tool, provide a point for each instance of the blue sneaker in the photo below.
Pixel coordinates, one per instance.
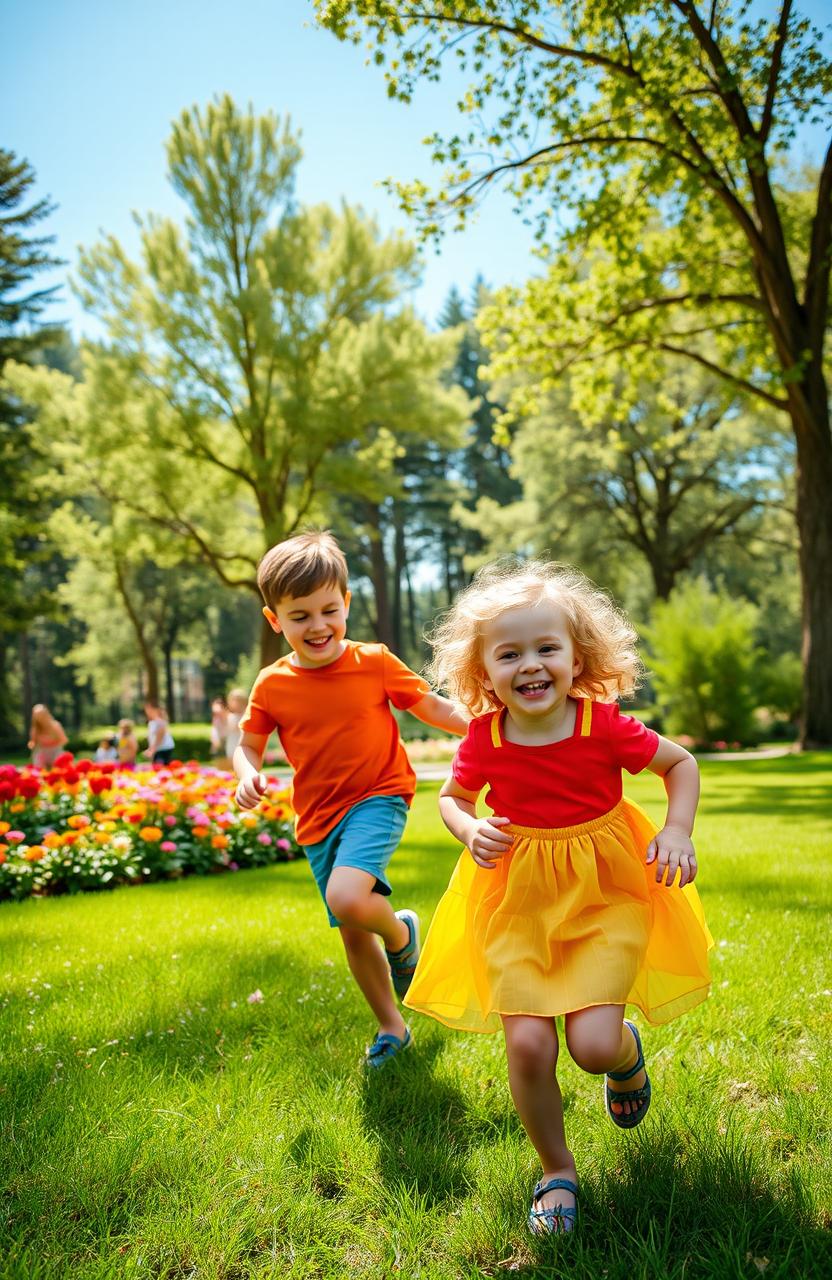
(403, 963)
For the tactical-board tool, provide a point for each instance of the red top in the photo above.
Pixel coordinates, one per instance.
(337, 729)
(562, 783)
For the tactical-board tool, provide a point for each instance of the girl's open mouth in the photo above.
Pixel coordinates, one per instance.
(533, 690)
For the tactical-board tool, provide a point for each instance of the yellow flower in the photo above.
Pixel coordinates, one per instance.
(250, 820)
(77, 821)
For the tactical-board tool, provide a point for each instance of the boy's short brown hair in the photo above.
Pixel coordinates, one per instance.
(300, 565)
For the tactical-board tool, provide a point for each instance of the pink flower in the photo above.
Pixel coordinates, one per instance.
(15, 836)
(264, 838)
(170, 821)
(283, 843)
(168, 846)
(256, 997)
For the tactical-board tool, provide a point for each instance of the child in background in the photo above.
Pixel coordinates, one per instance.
(46, 737)
(160, 743)
(237, 702)
(566, 900)
(219, 721)
(106, 751)
(330, 700)
(128, 744)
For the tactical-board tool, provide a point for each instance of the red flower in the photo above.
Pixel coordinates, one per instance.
(63, 759)
(98, 784)
(6, 791)
(28, 785)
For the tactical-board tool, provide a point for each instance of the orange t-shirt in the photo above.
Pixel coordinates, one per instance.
(337, 729)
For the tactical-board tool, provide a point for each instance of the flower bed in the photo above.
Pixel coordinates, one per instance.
(81, 825)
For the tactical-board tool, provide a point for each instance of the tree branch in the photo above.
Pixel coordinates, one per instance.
(774, 72)
(816, 294)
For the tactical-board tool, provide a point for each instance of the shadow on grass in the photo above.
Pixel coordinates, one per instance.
(685, 1207)
(419, 1123)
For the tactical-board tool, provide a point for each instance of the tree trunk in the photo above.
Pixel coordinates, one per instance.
(398, 575)
(169, 685)
(810, 417)
(271, 645)
(378, 573)
(26, 678)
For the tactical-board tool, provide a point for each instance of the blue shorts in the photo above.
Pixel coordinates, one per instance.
(366, 838)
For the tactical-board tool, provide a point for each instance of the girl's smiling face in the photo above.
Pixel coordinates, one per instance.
(529, 660)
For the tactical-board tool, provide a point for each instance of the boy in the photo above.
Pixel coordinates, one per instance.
(329, 700)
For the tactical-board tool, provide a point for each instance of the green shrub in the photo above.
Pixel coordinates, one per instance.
(707, 670)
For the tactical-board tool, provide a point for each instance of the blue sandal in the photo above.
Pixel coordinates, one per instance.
(403, 963)
(640, 1096)
(543, 1222)
(386, 1047)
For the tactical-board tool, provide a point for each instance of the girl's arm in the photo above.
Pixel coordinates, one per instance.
(435, 710)
(671, 848)
(248, 757)
(482, 836)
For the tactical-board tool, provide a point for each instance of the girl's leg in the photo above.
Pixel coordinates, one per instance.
(351, 896)
(532, 1051)
(372, 973)
(599, 1042)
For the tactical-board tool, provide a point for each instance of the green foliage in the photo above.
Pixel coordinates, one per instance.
(27, 557)
(705, 663)
(654, 143)
(258, 359)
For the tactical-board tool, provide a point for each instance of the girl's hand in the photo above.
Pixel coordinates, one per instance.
(488, 842)
(671, 849)
(251, 790)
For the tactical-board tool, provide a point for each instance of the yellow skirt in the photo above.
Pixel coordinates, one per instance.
(570, 917)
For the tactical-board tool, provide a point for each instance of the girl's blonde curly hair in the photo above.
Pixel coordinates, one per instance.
(603, 637)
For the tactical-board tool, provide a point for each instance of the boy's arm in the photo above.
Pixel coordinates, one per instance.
(435, 710)
(248, 757)
(672, 848)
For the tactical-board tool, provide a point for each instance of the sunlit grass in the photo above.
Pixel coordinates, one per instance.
(153, 1123)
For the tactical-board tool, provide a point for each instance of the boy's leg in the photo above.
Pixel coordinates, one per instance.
(370, 970)
(532, 1052)
(599, 1042)
(351, 897)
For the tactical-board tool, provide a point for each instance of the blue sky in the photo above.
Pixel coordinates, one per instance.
(90, 89)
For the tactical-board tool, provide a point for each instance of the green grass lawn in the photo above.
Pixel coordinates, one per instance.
(155, 1124)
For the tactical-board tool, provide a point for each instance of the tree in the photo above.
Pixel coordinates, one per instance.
(662, 479)
(250, 352)
(638, 115)
(22, 338)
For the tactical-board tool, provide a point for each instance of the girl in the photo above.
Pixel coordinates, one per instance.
(46, 737)
(553, 910)
(128, 744)
(160, 743)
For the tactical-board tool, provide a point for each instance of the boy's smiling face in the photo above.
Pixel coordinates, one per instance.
(314, 625)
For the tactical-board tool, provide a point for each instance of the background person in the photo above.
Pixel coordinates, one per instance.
(160, 743)
(46, 737)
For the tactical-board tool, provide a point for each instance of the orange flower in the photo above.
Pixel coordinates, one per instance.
(17, 807)
(34, 853)
(101, 837)
(219, 842)
(250, 820)
(3, 848)
(151, 834)
(4, 827)
(52, 840)
(69, 837)
(77, 821)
